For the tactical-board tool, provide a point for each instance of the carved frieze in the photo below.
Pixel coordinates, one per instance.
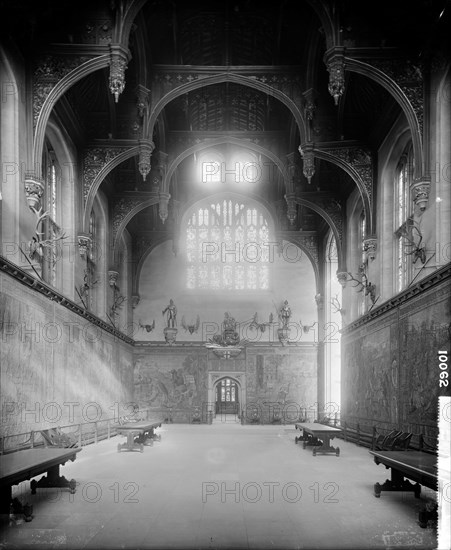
(48, 72)
(408, 75)
(97, 31)
(333, 209)
(361, 160)
(94, 160)
(309, 242)
(120, 211)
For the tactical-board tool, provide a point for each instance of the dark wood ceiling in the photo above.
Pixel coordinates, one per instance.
(247, 33)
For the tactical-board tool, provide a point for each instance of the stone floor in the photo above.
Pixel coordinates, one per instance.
(221, 486)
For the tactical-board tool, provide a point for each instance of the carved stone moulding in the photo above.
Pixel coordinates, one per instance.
(170, 335)
(336, 67)
(84, 244)
(291, 207)
(370, 247)
(142, 99)
(112, 277)
(319, 299)
(163, 208)
(34, 189)
(118, 64)
(342, 277)
(308, 159)
(284, 335)
(420, 193)
(135, 300)
(145, 152)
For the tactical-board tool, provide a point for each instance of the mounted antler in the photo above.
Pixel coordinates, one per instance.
(148, 328)
(418, 252)
(364, 284)
(192, 327)
(260, 326)
(335, 303)
(359, 283)
(37, 244)
(306, 328)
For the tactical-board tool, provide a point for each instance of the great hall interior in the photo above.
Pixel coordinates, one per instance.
(225, 235)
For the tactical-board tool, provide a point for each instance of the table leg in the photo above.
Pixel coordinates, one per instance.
(53, 479)
(131, 444)
(397, 483)
(144, 439)
(5, 499)
(325, 447)
(426, 514)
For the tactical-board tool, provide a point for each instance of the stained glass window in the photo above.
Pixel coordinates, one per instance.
(228, 247)
(228, 391)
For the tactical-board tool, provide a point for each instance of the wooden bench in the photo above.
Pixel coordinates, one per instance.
(417, 466)
(55, 437)
(361, 435)
(395, 440)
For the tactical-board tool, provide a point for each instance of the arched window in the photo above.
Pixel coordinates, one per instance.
(403, 179)
(228, 246)
(362, 237)
(90, 274)
(50, 227)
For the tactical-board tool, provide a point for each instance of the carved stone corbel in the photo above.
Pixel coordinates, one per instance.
(308, 159)
(420, 193)
(84, 244)
(342, 277)
(34, 189)
(370, 247)
(163, 208)
(291, 207)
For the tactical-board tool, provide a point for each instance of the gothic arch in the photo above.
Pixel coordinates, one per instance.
(100, 176)
(292, 240)
(214, 377)
(60, 88)
(222, 78)
(142, 260)
(135, 209)
(392, 87)
(337, 231)
(365, 190)
(219, 141)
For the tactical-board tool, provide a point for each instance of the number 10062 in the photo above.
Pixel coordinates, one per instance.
(443, 366)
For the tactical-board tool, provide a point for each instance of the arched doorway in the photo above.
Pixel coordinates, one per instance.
(227, 396)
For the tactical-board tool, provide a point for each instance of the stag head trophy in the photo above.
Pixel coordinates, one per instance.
(148, 328)
(335, 303)
(191, 327)
(364, 285)
(411, 232)
(38, 245)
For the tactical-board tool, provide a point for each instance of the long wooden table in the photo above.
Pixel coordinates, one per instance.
(418, 466)
(143, 431)
(22, 465)
(318, 435)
